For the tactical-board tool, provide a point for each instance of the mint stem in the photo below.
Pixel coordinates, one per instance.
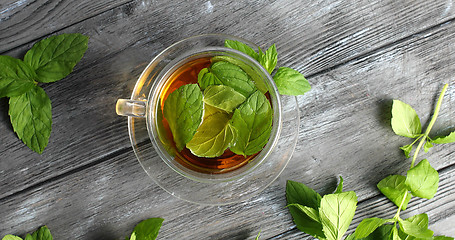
(433, 120)
(425, 136)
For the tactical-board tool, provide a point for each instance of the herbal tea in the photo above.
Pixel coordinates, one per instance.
(214, 115)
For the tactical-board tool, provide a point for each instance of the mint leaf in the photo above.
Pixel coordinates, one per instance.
(367, 226)
(405, 121)
(423, 180)
(299, 193)
(55, 57)
(340, 186)
(384, 232)
(11, 237)
(336, 213)
(212, 137)
(252, 124)
(43, 233)
(242, 47)
(183, 111)
(394, 188)
(233, 76)
(223, 97)
(258, 81)
(427, 146)
(416, 226)
(31, 117)
(147, 229)
(310, 212)
(29, 237)
(268, 59)
(16, 77)
(407, 150)
(447, 139)
(291, 82)
(206, 78)
(442, 238)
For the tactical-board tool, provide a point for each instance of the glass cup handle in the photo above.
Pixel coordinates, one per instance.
(131, 108)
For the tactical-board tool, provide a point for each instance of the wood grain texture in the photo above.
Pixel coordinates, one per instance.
(359, 57)
(108, 199)
(83, 103)
(22, 21)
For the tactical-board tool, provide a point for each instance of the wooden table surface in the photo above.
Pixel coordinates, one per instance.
(357, 55)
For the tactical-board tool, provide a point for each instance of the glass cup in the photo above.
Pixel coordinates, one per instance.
(160, 161)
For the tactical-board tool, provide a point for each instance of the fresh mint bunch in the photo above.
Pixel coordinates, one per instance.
(43, 233)
(323, 217)
(421, 180)
(49, 60)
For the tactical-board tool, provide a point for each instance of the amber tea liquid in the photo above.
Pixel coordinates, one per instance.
(187, 74)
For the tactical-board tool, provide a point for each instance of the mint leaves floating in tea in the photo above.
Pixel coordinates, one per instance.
(49, 60)
(183, 111)
(237, 115)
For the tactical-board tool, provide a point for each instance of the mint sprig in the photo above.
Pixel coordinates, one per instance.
(42, 233)
(327, 217)
(49, 60)
(288, 81)
(421, 180)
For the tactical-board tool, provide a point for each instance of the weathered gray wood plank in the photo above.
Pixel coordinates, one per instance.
(22, 21)
(107, 200)
(85, 125)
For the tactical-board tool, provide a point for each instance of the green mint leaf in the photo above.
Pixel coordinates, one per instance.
(405, 121)
(132, 237)
(212, 137)
(258, 81)
(442, 238)
(291, 82)
(340, 186)
(31, 117)
(310, 212)
(252, 124)
(427, 146)
(367, 226)
(16, 77)
(394, 188)
(350, 237)
(43, 233)
(268, 59)
(233, 76)
(416, 226)
(147, 229)
(336, 213)
(29, 237)
(183, 110)
(423, 180)
(242, 47)
(384, 232)
(206, 78)
(447, 139)
(299, 193)
(11, 237)
(54, 58)
(210, 110)
(223, 97)
(407, 150)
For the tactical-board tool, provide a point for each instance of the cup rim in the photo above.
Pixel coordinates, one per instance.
(152, 102)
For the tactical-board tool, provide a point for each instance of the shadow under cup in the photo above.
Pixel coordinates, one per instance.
(167, 152)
